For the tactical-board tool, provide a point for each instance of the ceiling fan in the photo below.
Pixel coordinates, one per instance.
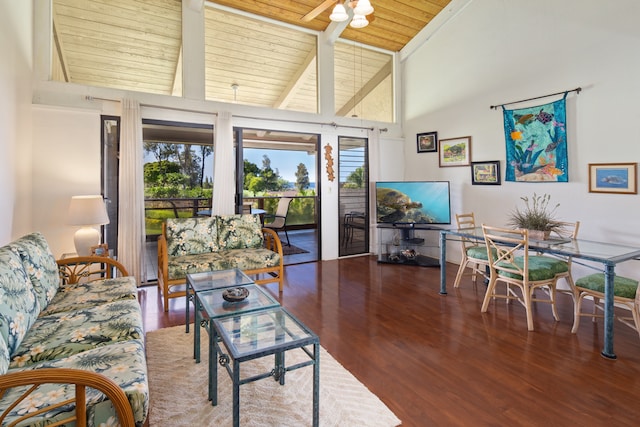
(362, 12)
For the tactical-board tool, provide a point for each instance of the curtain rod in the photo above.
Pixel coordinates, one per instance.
(334, 124)
(577, 90)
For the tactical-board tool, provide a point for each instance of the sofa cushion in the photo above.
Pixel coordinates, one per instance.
(60, 335)
(19, 305)
(123, 362)
(82, 295)
(40, 265)
(178, 267)
(4, 356)
(187, 236)
(239, 232)
(250, 259)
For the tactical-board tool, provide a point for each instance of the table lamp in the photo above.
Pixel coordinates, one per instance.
(89, 212)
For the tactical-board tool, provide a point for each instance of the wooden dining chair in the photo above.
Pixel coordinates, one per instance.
(512, 264)
(625, 292)
(474, 253)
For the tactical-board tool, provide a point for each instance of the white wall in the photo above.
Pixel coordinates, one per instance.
(497, 51)
(66, 162)
(15, 118)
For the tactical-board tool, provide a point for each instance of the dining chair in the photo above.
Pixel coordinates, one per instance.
(474, 253)
(512, 264)
(567, 230)
(278, 221)
(625, 292)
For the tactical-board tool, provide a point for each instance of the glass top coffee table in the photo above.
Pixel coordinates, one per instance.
(251, 335)
(197, 282)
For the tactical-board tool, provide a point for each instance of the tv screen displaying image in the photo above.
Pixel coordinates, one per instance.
(418, 202)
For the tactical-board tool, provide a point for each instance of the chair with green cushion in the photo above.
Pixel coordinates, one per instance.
(513, 265)
(625, 292)
(474, 254)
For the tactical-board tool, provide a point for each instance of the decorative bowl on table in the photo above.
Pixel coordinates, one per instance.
(235, 294)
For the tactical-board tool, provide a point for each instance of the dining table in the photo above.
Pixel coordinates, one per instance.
(605, 253)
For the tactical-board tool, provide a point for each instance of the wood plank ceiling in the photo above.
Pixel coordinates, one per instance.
(393, 24)
(137, 45)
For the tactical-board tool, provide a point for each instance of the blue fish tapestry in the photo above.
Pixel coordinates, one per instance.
(536, 139)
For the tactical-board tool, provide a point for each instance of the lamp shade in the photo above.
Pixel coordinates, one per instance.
(87, 210)
(363, 8)
(359, 21)
(339, 13)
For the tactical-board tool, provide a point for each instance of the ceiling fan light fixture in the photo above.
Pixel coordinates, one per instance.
(363, 8)
(359, 21)
(339, 13)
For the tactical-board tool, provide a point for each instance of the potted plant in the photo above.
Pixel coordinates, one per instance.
(537, 217)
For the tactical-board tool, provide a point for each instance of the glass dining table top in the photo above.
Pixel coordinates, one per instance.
(587, 249)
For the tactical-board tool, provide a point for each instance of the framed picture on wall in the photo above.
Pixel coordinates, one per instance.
(621, 178)
(427, 142)
(455, 151)
(485, 173)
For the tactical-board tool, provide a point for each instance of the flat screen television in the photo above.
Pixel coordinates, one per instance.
(413, 202)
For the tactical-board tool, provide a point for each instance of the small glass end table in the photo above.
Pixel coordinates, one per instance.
(198, 282)
(256, 334)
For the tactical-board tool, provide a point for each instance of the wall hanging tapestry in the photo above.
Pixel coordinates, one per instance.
(536, 139)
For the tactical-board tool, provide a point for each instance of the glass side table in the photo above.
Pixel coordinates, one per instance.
(197, 282)
(249, 336)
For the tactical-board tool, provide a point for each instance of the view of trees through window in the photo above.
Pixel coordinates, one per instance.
(178, 181)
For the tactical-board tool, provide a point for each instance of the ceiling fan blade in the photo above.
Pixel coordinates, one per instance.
(318, 10)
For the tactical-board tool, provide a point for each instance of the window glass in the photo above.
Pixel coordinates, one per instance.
(363, 83)
(129, 45)
(254, 62)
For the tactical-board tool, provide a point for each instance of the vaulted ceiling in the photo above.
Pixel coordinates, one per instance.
(137, 45)
(392, 25)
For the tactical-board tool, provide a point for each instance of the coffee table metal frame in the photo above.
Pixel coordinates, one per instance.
(197, 282)
(213, 306)
(288, 334)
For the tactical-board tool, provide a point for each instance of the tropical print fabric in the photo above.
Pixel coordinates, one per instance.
(187, 236)
(82, 295)
(64, 334)
(536, 143)
(540, 268)
(622, 286)
(239, 232)
(40, 265)
(123, 362)
(244, 259)
(19, 305)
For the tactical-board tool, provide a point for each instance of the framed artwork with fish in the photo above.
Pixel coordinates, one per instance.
(536, 143)
(619, 178)
(485, 173)
(455, 151)
(427, 142)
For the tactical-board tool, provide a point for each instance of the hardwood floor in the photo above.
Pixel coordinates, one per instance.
(437, 361)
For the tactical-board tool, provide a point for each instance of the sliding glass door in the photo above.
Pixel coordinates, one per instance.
(353, 196)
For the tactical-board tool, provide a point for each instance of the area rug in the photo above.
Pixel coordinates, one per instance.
(292, 250)
(178, 390)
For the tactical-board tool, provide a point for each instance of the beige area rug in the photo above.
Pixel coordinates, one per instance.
(178, 390)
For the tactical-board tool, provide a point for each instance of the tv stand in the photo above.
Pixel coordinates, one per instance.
(403, 243)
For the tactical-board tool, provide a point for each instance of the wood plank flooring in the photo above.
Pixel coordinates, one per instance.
(435, 360)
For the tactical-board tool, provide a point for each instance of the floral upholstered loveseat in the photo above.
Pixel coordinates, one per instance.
(69, 325)
(194, 245)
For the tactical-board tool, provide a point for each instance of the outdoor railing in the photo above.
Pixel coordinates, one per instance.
(302, 211)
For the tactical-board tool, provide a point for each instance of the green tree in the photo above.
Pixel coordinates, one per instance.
(155, 173)
(356, 179)
(302, 178)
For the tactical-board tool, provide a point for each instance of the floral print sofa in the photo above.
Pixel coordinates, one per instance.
(48, 322)
(212, 243)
